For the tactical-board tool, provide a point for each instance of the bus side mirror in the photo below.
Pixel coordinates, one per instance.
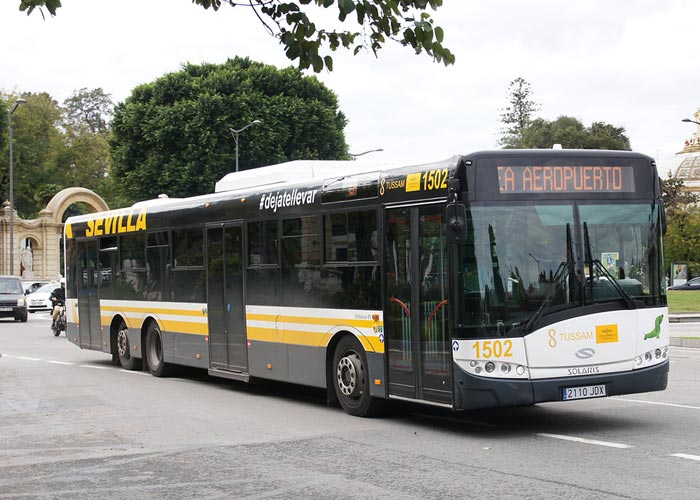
(457, 222)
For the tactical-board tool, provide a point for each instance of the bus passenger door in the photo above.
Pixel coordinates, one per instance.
(90, 327)
(226, 309)
(416, 329)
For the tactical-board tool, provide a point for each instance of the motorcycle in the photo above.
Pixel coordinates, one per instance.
(60, 323)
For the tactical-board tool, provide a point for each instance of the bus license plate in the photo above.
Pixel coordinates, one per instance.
(587, 391)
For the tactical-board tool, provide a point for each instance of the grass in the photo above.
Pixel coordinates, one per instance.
(683, 301)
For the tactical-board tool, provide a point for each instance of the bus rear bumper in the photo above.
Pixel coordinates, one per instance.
(473, 392)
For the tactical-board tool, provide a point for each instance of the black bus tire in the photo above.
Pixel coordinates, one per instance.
(127, 361)
(154, 352)
(350, 378)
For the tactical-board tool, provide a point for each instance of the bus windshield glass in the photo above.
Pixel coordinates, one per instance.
(523, 266)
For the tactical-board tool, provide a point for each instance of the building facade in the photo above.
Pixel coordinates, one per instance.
(37, 242)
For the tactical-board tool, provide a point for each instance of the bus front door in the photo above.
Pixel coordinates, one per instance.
(226, 308)
(89, 327)
(416, 330)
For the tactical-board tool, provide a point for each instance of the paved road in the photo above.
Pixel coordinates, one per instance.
(72, 426)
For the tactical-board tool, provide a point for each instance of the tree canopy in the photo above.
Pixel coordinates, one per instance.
(54, 146)
(522, 131)
(406, 22)
(174, 135)
(572, 134)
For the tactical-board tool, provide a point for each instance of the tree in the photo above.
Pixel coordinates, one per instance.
(402, 21)
(572, 134)
(84, 153)
(173, 135)
(55, 147)
(36, 136)
(88, 112)
(682, 239)
(518, 114)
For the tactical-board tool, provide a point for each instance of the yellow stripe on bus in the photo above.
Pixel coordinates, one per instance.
(168, 325)
(313, 339)
(272, 318)
(178, 312)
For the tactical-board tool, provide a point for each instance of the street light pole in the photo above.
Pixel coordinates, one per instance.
(688, 120)
(12, 188)
(235, 133)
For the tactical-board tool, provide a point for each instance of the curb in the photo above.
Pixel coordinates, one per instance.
(683, 342)
(672, 318)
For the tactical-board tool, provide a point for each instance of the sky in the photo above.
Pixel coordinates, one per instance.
(630, 63)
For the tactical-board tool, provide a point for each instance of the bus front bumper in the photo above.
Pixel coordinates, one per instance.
(472, 392)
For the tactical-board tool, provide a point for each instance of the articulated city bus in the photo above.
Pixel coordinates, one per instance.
(498, 278)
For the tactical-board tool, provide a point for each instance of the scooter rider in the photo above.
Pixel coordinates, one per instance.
(58, 298)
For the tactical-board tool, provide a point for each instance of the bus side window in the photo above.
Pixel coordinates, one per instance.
(263, 272)
(301, 260)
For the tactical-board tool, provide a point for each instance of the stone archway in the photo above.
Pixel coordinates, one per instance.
(41, 257)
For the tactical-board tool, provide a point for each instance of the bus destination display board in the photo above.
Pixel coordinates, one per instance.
(515, 179)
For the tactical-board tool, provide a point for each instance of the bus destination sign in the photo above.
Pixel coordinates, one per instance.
(565, 179)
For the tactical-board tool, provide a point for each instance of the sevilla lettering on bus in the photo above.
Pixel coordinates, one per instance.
(121, 221)
(287, 199)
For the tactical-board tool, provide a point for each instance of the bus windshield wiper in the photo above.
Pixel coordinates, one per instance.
(564, 266)
(599, 265)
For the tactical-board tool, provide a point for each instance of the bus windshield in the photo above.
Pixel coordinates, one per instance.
(522, 263)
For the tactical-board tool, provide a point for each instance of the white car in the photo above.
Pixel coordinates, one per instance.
(39, 300)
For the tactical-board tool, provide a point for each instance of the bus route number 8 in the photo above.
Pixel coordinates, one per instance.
(487, 349)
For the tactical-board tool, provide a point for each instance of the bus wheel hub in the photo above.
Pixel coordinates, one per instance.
(349, 375)
(122, 343)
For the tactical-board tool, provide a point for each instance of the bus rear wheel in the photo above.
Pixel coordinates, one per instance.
(127, 361)
(154, 352)
(351, 380)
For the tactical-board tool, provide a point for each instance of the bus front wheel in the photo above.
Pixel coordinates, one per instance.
(127, 361)
(350, 378)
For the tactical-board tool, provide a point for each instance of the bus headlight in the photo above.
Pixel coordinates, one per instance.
(490, 367)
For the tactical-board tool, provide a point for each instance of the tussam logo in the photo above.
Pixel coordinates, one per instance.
(286, 199)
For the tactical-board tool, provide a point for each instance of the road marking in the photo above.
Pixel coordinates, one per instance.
(584, 440)
(28, 358)
(59, 362)
(134, 372)
(687, 457)
(674, 405)
(95, 367)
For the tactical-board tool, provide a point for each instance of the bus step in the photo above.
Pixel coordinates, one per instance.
(217, 372)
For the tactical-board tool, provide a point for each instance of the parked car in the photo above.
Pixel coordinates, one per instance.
(31, 286)
(40, 300)
(693, 284)
(13, 302)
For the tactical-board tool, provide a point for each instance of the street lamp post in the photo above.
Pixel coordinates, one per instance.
(235, 133)
(12, 188)
(688, 120)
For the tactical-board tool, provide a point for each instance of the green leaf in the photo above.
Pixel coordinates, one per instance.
(329, 62)
(346, 6)
(317, 63)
